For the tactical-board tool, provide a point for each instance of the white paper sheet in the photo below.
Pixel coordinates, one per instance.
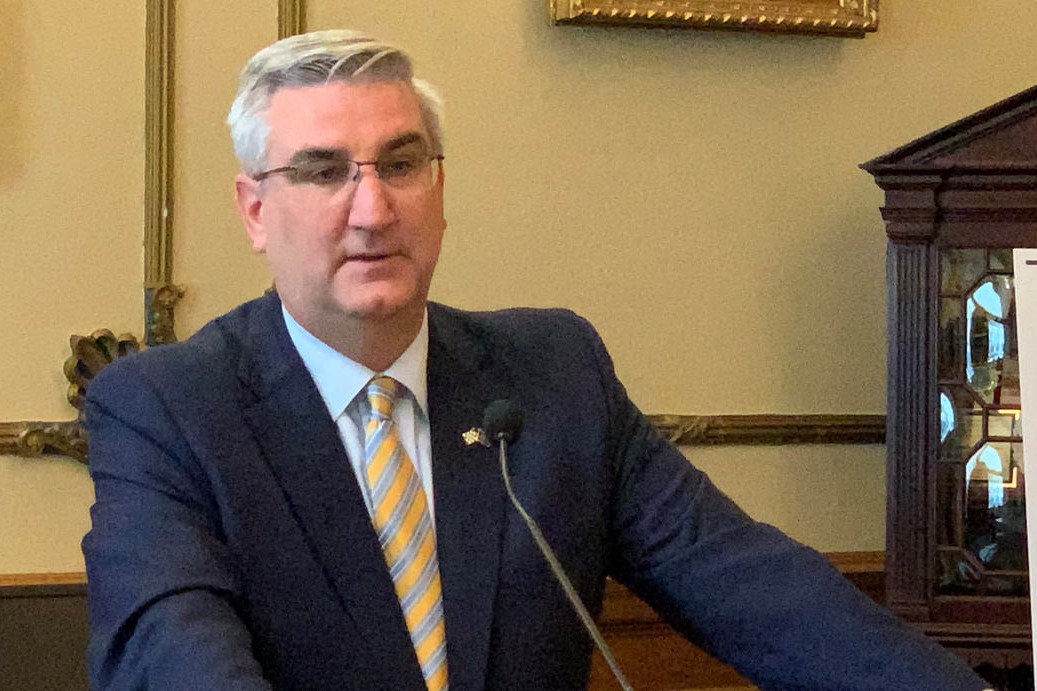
(1025, 261)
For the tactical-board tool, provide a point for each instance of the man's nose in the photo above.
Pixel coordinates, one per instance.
(371, 205)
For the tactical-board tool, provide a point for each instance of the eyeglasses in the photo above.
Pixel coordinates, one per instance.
(401, 171)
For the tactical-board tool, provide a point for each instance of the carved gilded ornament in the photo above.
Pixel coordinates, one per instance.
(843, 18)
(90, 354)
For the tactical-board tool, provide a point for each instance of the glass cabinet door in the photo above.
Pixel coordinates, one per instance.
(980, 546)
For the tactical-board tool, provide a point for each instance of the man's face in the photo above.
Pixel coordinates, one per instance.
(366, 250)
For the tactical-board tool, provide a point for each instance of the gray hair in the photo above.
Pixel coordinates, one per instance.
(313, 59)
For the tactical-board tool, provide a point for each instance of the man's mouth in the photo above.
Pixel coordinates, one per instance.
(369, 257)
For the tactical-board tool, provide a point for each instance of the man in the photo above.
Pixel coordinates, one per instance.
(286, 501)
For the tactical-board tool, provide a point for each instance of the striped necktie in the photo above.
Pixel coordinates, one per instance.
(401, 518)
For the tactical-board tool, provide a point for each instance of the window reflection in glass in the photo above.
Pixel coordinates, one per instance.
(986, 308)
(981, 530)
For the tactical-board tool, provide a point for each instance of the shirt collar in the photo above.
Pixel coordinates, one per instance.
(339, 379)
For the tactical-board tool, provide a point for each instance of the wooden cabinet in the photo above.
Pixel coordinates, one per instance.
(957, 201)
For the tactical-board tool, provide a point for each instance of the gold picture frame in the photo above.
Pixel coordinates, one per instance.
(841, 18)
(291, 18)
(160, 293)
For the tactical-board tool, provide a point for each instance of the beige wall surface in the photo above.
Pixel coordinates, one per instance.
(71, 199)
(211, 254)
(695, 194)
(43, 503)
(831, 498)
(71, 189)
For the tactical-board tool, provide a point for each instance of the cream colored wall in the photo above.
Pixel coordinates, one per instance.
(832, 498)
(71, 190)
(71, 132)
(694, 194)
(44, 505)
(212, 257)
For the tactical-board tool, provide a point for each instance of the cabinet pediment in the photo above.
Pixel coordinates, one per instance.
(1002, 137)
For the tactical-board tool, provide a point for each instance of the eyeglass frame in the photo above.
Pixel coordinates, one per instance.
(259, 177)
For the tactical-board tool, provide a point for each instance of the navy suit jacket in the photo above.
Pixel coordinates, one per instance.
(231, 548)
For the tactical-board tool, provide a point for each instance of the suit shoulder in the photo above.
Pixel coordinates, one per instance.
(197, 363)
(518, 324)
(526, 340)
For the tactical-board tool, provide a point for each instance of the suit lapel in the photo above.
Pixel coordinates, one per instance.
(469, 494)
(300, 443)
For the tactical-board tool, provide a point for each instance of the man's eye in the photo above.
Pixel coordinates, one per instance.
(398, 167)
(323, 172)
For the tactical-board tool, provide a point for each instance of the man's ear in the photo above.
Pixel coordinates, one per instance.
(439, 184)
(250, 206)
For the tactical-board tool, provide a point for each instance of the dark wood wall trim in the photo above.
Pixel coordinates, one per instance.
(655, 656)
(42, 584)
(652, 654)
(700, 430)
(624, 611)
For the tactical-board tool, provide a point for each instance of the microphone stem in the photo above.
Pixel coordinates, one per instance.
(563, 579)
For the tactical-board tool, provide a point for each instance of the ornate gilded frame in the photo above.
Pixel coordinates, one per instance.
(160, 293)
(842, 18)
(291, 18)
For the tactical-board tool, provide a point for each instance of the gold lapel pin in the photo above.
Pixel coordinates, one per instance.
(475, 436)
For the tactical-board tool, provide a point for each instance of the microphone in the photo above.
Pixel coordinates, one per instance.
(502, 421)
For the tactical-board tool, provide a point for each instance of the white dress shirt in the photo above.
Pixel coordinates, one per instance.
(341, 383)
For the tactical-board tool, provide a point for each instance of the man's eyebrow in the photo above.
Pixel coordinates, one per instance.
(402, 140)
(329, 154)
(317, 154)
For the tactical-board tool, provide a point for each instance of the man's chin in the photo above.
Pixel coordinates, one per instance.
(379, 309)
